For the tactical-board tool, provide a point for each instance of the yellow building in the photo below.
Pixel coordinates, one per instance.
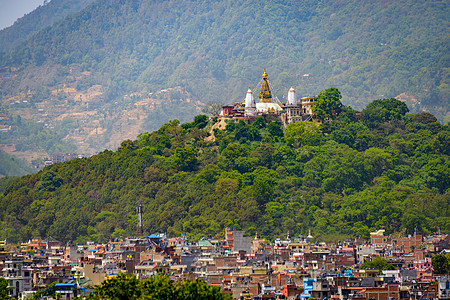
(307, 103)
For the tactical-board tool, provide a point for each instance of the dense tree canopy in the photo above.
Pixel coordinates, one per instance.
(327, 104)
(441, 264)
(126, 286)
(4, 290)
(377, 263)
(383, 110)
(340, 177)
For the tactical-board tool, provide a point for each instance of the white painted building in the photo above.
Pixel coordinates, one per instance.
(18, 276)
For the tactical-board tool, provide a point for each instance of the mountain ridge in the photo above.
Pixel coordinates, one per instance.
(214, 50)
(43, 16)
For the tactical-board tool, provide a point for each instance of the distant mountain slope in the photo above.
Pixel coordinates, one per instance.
(214, 50)
(41, 17)
(11, 166)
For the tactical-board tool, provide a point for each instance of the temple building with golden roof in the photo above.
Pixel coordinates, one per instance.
(265, 104)
(291, 111)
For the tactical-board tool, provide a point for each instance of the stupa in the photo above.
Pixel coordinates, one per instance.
(265, 104)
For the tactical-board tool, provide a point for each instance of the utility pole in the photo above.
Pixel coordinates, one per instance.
(140, 212)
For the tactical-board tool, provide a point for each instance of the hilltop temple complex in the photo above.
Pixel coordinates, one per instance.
(292, 111)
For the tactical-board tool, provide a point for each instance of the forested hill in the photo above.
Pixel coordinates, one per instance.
(10, 166)
(342, 178)
(42, 17)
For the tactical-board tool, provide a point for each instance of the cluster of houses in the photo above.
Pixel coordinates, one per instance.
(4, 127)
(246, 267)
(58, 158)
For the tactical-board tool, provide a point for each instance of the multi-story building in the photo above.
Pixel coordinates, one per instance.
(18, 276)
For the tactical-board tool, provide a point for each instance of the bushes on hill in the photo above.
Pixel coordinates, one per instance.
(341, 177)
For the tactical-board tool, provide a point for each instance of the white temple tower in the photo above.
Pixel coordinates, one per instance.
(293, 109)
(250, 104)
(291, 97)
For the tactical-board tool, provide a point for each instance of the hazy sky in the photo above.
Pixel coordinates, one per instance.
(11, 10)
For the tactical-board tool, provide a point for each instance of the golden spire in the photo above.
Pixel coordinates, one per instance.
(264, 93)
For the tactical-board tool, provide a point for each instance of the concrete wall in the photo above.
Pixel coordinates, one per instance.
(241, 242)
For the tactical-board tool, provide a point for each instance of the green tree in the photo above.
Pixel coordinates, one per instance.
(209, 173)
(126, 286)
(350, 134)
(128, 145)
(441, 143)
(200, 121)
(275, 129)
(436, 174)
(185, 159)
(49, 290)
(383, 110)
(424, 118)
(160, 287)
(50, 181)
(327, 104)
(230, 155)
(199, 289)
(441, 264)
(4, 289)
(377, 263)
(259, 123)
(226, 186)
(242, 132)
(262, 191)
(378, 159)
(264, 154)
(303, 133)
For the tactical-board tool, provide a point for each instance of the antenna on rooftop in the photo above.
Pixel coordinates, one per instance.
(140, 212)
